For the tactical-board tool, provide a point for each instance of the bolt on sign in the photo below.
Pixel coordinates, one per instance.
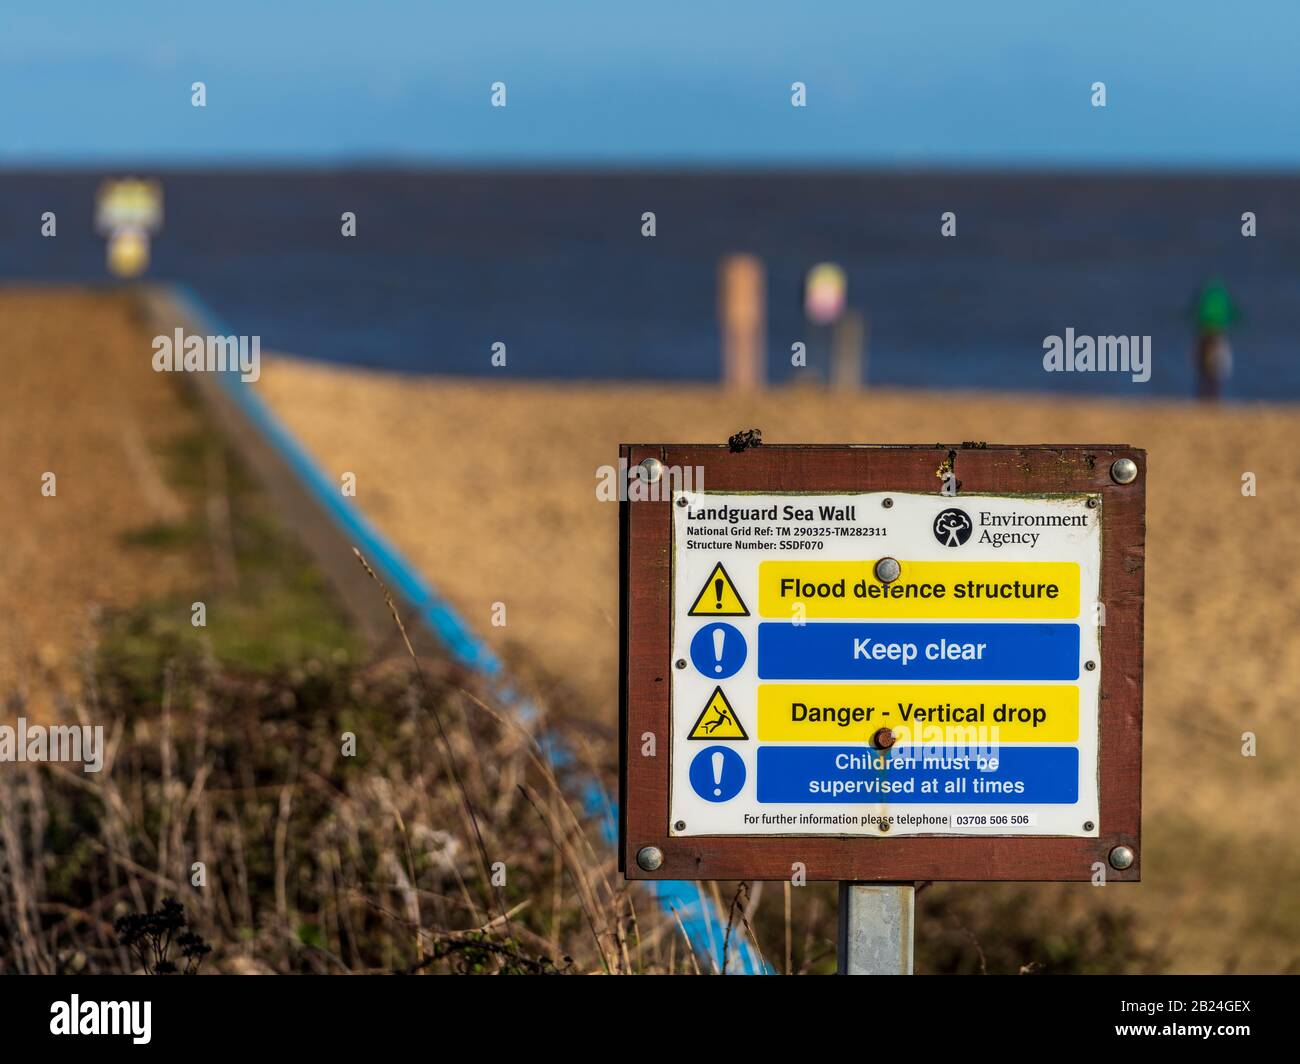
(883, 663)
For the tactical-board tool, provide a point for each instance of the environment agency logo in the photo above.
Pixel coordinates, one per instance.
(952, 527)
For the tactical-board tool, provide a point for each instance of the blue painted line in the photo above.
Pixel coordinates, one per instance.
(697, 913)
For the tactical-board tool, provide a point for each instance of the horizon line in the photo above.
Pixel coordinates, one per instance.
(703, 166)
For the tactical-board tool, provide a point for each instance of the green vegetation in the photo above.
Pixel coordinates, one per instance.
(266, 603)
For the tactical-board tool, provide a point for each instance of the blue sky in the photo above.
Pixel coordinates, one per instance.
(1189, 84)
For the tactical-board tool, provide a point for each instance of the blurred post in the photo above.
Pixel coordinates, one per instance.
(1213, 313)
(127, 211)
(742, 316)
(849, 351)
(825, 304)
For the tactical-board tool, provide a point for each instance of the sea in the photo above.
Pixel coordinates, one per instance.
(554, 264)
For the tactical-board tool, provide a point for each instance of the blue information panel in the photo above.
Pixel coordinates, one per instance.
(944, 651)
(1025, 775)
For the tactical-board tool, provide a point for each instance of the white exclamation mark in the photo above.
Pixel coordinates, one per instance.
(717, 774)
(719, 636)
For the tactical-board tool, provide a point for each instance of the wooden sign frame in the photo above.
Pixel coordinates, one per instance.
(645, 535)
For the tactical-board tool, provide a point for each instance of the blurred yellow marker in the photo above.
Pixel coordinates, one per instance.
(128, 253)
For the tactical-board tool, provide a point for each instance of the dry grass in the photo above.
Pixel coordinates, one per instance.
(446, 843)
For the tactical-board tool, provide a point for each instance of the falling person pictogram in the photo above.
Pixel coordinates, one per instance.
(718, 721)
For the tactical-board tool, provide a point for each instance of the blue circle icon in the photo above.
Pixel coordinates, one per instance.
(718, 650)
(717, 774)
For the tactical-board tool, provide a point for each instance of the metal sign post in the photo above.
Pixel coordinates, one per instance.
(877, 928)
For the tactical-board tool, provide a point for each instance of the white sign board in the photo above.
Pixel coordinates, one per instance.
(885, 663)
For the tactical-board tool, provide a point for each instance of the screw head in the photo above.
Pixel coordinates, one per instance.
(650, 470)
(884, 825)
(650, 858)
(887, 503)
(1123, 471)
(680, 663)
(1090, 665)
(883, 739)
(1088, 825)
(1092, 503)
(888, 570)
(1122, 857)
(680, 825)
(681, 501)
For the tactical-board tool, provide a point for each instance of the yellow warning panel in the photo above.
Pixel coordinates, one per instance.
(962, 590)
(718, 597)
(947, 714)
(717, 720)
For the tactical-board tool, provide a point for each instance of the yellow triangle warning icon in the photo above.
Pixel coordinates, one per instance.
(717, 720)
(718, 597)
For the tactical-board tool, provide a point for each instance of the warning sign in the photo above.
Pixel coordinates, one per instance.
(922, 662)
(718, 720)
(833, 665)
(718, 597)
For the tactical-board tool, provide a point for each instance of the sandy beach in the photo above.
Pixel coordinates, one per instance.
(490, 488)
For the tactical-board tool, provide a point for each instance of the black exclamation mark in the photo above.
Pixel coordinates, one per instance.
(717, 592)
